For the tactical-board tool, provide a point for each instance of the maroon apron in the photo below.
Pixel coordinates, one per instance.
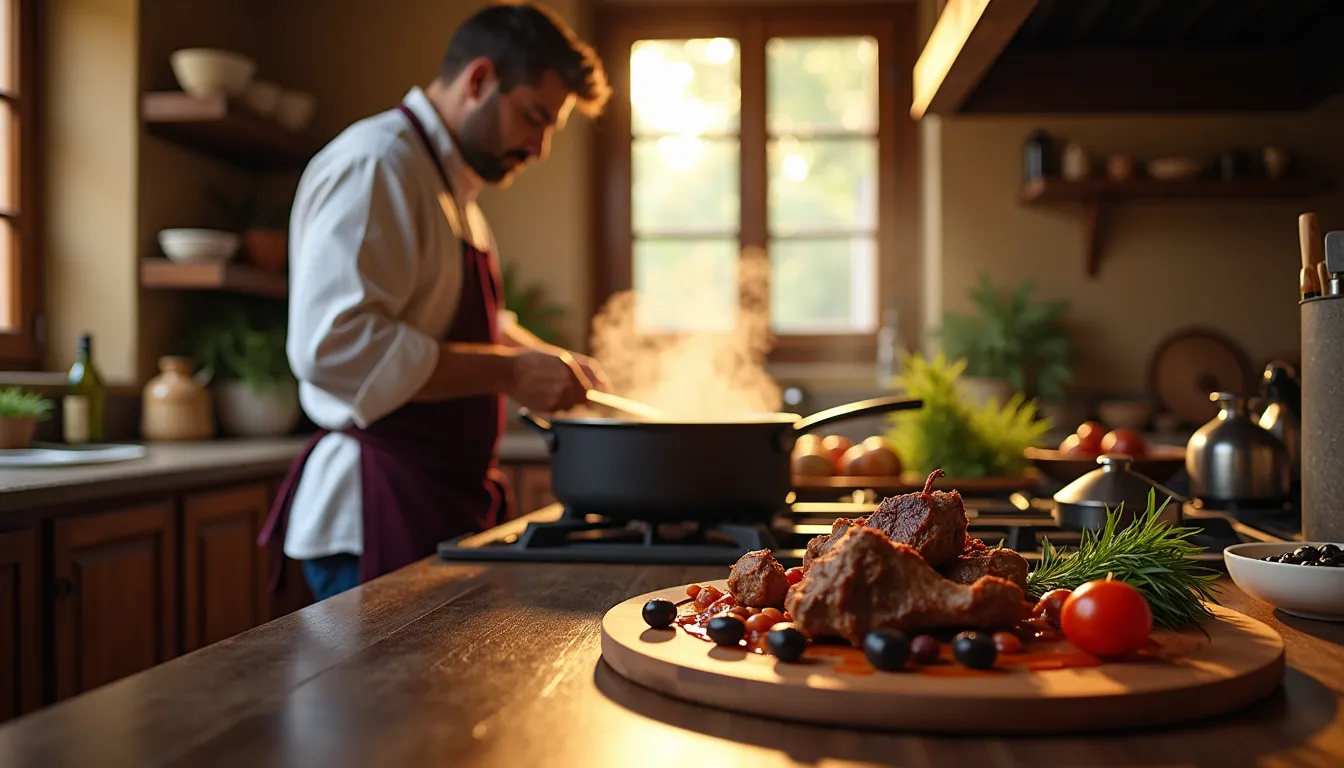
(429, 471)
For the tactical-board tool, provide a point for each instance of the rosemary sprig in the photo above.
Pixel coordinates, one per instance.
(1150, 555)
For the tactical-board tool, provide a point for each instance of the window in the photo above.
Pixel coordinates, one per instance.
(19, 158)
(784, 130)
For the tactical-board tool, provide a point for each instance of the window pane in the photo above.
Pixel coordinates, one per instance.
(684, 184)
(823, 185)
(823, 286)
(8, 273)
(686, 285)
(8, 170)
(822, 84)
(685, 87)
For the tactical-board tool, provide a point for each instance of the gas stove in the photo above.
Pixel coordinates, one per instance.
(556, 534)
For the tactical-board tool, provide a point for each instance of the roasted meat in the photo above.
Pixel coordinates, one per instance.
(866, 581)
(933, 522)
(970, 565)
(818, 545)
(757, 580)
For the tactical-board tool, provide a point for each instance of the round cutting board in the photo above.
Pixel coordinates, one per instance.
(1241, 662)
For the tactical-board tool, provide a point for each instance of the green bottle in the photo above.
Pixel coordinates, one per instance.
(82, 406)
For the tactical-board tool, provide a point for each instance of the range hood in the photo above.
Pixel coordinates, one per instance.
(1096, 56)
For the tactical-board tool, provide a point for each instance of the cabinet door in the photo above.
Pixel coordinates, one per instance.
(534, 488)
(20, 625)
(115, 607)
(220, 580)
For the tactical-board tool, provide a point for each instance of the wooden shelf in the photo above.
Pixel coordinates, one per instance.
(160, 273)
(1096, 194)
(225, 130)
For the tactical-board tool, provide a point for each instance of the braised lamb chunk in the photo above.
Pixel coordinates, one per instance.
(933, 522)
(818, 545)
(970, 565)
(866, 581)
(757, 580)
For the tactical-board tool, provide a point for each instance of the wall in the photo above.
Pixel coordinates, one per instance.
(359, 59)
(1232, 266)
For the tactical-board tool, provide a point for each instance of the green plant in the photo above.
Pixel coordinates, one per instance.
(15, 403)
(534, 311)
(961, 438)
(1011, 337)
(238, 343)
(1149, 555)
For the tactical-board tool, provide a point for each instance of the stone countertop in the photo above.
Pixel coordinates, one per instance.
(172, 467)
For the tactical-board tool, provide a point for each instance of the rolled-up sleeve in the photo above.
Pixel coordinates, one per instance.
(354, 255)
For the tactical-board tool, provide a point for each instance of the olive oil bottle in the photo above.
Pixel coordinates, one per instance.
(82, 406)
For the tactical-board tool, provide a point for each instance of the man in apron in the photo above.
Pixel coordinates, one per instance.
(397, 333)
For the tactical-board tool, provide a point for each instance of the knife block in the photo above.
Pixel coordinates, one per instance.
(1323, 418)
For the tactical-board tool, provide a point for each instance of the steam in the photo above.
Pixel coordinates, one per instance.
(700, 376)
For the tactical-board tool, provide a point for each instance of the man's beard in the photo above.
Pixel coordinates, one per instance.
(479, 143)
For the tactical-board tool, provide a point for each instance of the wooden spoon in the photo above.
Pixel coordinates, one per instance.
(633, 407)
(1309, 240)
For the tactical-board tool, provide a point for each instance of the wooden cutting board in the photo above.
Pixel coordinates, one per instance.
(1241, 661)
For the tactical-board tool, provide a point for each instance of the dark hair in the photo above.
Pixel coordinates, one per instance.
(523, 41)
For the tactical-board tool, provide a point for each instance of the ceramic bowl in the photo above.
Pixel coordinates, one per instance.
(206, 72)
(1300, 590)
(295, 109)
(197, 245)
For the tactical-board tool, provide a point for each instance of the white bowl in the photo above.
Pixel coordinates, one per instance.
(262, 97)
(197, 245)
(1300, 590)
(209, 71)
(295, 109)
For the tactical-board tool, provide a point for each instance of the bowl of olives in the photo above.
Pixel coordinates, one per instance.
(1304, 578)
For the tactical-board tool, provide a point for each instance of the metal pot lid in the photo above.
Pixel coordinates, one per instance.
(1112, 483)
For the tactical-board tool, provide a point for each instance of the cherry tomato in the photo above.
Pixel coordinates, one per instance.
(1073, 448)
(1107, 618)
(1126, 441)
(794, 575)
(1090, 434)
(1050, 605)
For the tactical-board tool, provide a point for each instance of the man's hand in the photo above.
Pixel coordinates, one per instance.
(548, 382)
(592, 371)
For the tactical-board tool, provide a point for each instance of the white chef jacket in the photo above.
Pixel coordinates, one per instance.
(375, 271)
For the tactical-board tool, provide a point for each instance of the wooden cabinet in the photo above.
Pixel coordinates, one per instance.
(20, 625)
(531, 483)
(223, 574)
(114, 606)
(293, 594)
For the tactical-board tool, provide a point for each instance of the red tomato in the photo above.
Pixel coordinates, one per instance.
(1050, 605)
(1089, 435)
(1107, 618)
(794, 575)
(1126, 441)
(1073, 448)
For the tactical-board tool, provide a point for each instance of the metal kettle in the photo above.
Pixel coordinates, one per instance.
(1233, 459)
(1282, 415)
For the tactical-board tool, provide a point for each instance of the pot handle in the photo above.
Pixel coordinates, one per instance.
(541, 425)
(855, 410)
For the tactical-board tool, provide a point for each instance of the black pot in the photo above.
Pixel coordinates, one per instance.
(1083, 504)
(684, 471)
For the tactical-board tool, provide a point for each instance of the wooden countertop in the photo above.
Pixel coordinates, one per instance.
(499, 665)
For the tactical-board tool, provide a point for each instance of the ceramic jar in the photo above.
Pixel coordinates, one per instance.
(175, 406)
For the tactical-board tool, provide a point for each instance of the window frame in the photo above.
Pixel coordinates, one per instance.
(894, 26)
(20, 348)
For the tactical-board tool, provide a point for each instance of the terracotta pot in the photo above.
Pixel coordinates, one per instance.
(265, 249)
(174, 405)
(17, 431)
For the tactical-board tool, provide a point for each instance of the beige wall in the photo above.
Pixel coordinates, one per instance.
(1232, 266)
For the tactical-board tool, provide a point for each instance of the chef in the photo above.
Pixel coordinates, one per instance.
(397, 333)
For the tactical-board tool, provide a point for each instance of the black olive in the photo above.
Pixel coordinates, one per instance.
(1289, 558)
(1270, 558)
(1309, 562)
(1331, 562)
(727, 630)
(1307, 552)
(786, 642)
(1330, 550)
(925, 649)
(660, 613)
(975, 649)
(886, 649)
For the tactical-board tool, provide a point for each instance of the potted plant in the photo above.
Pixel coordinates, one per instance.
(243, 355)
(1010, 344)
(264, 228)
(20, 412)
(530, 307)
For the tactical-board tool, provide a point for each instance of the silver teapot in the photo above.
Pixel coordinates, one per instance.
(1234, 459)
